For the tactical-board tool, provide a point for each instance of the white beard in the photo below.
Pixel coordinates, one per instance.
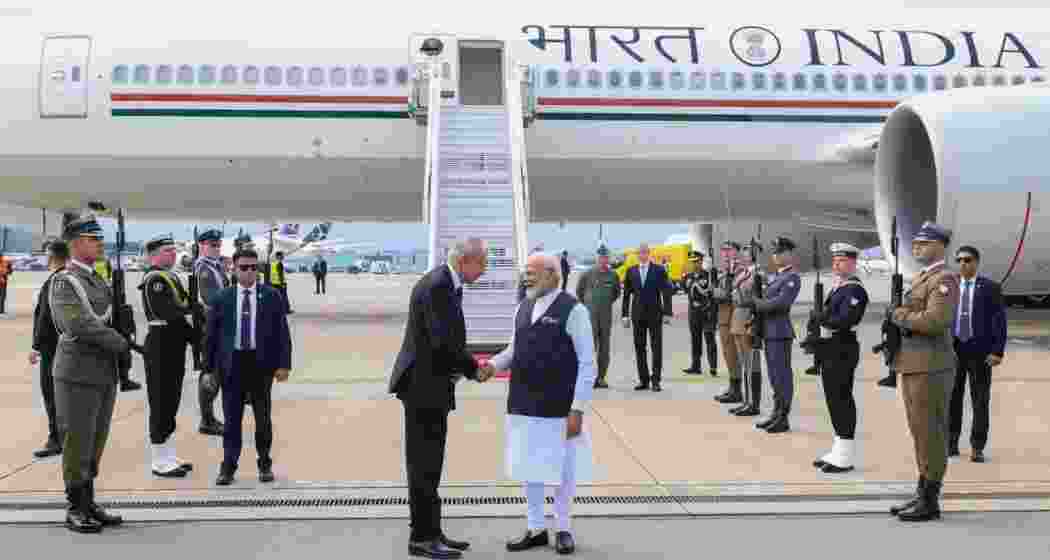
(536, 292)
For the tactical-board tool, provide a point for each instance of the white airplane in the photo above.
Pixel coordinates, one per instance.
(728, 123)
(872, 260)
(286, 239)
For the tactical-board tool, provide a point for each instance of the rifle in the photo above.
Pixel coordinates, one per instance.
(812, 341)
(891, 333)
(714, 267)
(123, 320)
(194, 289)
(756, 293)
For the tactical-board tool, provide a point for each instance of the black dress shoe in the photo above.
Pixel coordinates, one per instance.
(641, 387)
(50, 449)
(714, 373)
(224, 479)
(888, 381)
(458, 545)
(528, 541)
(819, 463)
(656, 387)
(213, 428)
(129, 385)
(103, 517)
(692, 369)
(563, 542)
(978, 456)
(82, 522)
(433, 549)
(953, 449)
(265, 475)
(832, 469)
(600, 384)
(177, 472)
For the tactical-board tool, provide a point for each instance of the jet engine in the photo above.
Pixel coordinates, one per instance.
(978, 162)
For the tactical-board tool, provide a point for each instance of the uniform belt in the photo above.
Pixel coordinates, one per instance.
(158, 323)
(846, 333)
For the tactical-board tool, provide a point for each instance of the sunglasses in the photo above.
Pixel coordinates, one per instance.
(247, 267)
(963, 259)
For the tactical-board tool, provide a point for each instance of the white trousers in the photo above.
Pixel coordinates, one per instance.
(563, 496)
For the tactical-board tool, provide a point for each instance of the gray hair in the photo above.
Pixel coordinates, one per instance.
(550, 262)
(469, 247)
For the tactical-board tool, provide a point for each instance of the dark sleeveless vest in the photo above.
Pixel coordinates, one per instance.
(544, 366)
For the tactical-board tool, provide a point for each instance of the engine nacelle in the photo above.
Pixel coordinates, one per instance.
(976, 161)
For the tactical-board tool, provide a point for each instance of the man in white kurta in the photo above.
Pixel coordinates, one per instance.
(552, 380)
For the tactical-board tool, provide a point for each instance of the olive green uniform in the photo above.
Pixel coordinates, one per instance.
(598, 291)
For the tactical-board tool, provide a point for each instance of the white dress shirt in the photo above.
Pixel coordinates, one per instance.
(643, 270)
(457, 282)
(251, 322)
(958, 312)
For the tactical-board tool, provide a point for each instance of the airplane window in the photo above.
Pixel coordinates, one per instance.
(634, 79)
(697, 80)
(380, 76)
(120, 74)
(940, 83)
(552, 78)
(615, 79)
(572, 78)
(820, 82)
(798, 82)
(758, 81)
(920, 82)
(294, 76)
(839, 82)
(718, 80)
(272, 75)
(879, 83)
(959, 81)
(185, 74)
(338, 77)
(401, 75)
(780, 81)
(594, 79)
(656, 79)
(229, 74)
(251, 75)
(999, 80)
(316, 76)
(1018, 80)
(677, 79)
(739, 82)
(359, 76)
(74, 74)
(206, 75)
(141, 74)
(860, 82)
(164, 74)
(900, 82)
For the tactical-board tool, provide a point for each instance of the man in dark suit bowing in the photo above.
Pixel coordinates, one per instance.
(433, 356)
(979, 333)
(647, 285)
(250, 346)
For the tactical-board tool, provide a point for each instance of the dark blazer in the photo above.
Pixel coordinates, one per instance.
(435, 345)
(988, 317)
(651, 301)
(273, 341)
(45, 336)
(320, 268)
(775, 308)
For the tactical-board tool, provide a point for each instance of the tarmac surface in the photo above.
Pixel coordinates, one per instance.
(338, 436)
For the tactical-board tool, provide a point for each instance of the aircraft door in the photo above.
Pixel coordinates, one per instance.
(64, 76)
(447, 60)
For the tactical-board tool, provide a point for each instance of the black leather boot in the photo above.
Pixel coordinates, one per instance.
(780, 423)
(928, 507)
(910, 503)
(99, 514)
(752, 408)
(78, 518)
(209, 424)
(777, 404)
(888, 381)
(732, 395)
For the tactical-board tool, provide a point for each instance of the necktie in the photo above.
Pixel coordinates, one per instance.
(246, 321)
(964, 326)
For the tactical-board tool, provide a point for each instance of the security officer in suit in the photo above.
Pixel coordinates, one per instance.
(926, 366)
(211, 279)
(838, 353)
(723, 296)
(703, 315)
(85, 372)
(598, 288)
(740, 327)
(775, 311)
(167, 305)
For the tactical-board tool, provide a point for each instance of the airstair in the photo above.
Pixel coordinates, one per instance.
(475, 181)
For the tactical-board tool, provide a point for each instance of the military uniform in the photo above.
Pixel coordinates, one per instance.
(838, 353)
(926, 367)
(703, 317)
(723, 294)
(166, 304)
(779, 335)
(85, 374)
(211, 279)
(598, 290)
(740, 327)
(105, 271)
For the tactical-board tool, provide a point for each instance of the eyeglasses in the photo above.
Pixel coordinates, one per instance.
(963, 259)
(247, 267)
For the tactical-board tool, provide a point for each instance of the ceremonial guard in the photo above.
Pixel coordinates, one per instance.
(45, 342)
(703, 315)
(926, 365)
(723, 294)
(551, 359)
(598, 288)
(740, 327)
(211, 279)
(85, 372)
(166, 304)
(838, 353)
(778, 334)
